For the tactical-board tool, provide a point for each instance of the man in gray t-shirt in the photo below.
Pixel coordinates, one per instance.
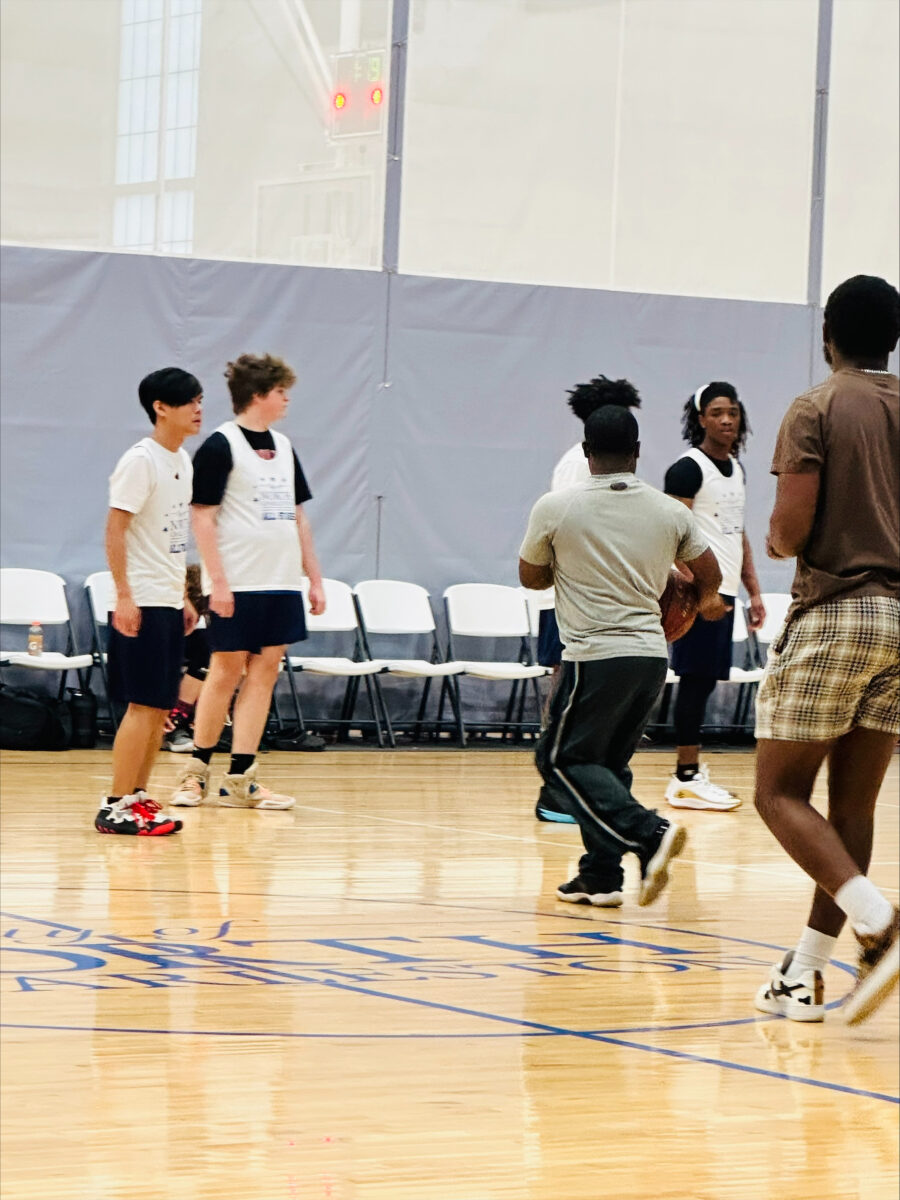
(607, 546)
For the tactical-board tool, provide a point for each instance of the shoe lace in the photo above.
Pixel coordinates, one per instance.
(702, 776)
(146, 809)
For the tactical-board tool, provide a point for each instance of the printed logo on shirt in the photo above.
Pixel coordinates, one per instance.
(730, 515)
(275, 495)
(177, 524)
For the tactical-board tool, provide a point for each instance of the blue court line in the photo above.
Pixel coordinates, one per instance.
(530, 1027)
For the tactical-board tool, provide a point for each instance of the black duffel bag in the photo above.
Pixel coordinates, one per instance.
(32, 720)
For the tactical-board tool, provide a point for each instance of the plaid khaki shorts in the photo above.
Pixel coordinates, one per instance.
(834, 667)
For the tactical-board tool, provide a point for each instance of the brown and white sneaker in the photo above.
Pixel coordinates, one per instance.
(877, 973)
(242, 791)
(192, 784)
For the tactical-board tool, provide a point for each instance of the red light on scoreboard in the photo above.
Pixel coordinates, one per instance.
(376, 95)
(340, 100)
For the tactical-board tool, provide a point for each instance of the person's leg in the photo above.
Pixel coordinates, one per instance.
(857, 764)
(550, 804)
(224, 676)
(239, 787)
(134, 748)
(605, 709)
(691, 696)
(251, 709)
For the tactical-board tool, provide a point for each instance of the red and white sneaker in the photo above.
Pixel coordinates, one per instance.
(137, 816)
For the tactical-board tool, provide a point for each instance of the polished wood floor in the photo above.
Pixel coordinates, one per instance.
(376, 996)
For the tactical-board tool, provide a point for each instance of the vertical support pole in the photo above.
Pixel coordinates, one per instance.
(817, 189)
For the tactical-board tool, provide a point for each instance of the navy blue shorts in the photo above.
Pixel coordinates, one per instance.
(550, 648)
(260, 619)
(147, 669)
(706, 647)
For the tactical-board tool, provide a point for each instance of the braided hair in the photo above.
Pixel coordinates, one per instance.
(691, 429)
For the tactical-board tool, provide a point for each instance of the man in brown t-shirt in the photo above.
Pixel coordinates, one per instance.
(832, 685)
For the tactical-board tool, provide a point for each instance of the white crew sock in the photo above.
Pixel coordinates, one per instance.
(867, 909)
(812, 954)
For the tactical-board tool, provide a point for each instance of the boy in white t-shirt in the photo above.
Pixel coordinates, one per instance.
(146, 547)
(256, 545)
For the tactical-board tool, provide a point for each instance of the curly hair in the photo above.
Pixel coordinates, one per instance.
(253, 375)
(586, 398)
(691, 429)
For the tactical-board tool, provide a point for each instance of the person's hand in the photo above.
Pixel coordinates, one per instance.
(221, 600)
(191, 617)
(713, 608)
(127, 617)
(169, 726)
(756, 613)
(316, 599)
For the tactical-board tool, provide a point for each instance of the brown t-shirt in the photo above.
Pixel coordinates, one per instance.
(847, 429)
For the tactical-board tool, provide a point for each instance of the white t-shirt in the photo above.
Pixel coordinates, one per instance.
(256, 525)
(610, 542)
(572, 468)
(155, 485)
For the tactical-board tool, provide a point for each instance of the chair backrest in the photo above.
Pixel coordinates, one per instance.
(536, 603)
(391, 606)
(27, 595)
(490, 610)
(339, 615)
(777, 604)
(740, 632)
(101, 593)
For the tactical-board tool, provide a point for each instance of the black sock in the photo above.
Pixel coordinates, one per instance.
(686, 771)
(240, 763)
(204, 755)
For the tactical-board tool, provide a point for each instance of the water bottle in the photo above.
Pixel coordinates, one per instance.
(35, 639)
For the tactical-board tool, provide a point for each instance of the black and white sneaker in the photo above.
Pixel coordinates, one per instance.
(668, 842)
(584, 891)
(801, 998)
(137, 816)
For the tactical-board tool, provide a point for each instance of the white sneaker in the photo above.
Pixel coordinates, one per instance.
(800, 998)
(192, 782)
(700, 792)
(242, 791)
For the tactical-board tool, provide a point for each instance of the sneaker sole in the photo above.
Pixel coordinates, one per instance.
(188, 749)
(696, 803)
(657, 876)
(191, 802)
(546, 814)
(871, 993)
(597, 899)
(787, 1008)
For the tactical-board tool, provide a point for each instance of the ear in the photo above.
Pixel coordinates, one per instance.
(584, 447)
(159, 408)
(637, 452)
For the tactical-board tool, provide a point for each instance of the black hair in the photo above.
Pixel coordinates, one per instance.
(862, 317)
(588, 397)
(171, 386)
(611, 431)
(691, 429)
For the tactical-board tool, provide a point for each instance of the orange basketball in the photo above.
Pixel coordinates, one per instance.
(678, 606)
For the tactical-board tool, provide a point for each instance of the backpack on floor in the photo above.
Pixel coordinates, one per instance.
(31, 720)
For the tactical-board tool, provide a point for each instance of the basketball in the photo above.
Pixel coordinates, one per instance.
(678, 606)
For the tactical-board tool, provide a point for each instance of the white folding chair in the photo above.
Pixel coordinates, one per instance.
(389, 607)
(776, 605)
(101, 598)
(26, 596)
(339, 618)
(746, 677)
(497, 612)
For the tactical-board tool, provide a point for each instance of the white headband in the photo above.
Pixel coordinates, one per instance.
(696, 397)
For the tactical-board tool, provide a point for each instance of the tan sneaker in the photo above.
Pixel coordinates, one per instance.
(192, 784)
(242, 791)
(877, 973)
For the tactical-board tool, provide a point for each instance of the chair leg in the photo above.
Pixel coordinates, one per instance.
(456, 705)
(373, 706)
(420, 715)
(295, 697)
(388, 727)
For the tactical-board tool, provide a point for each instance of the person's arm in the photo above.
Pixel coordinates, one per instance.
(535, 577)
(311, 568)
(791, 523)
(708, 577)
(127, 616)
(756, 613)
(203, 518)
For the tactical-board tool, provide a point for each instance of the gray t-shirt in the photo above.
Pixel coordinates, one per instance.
(611, 542)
